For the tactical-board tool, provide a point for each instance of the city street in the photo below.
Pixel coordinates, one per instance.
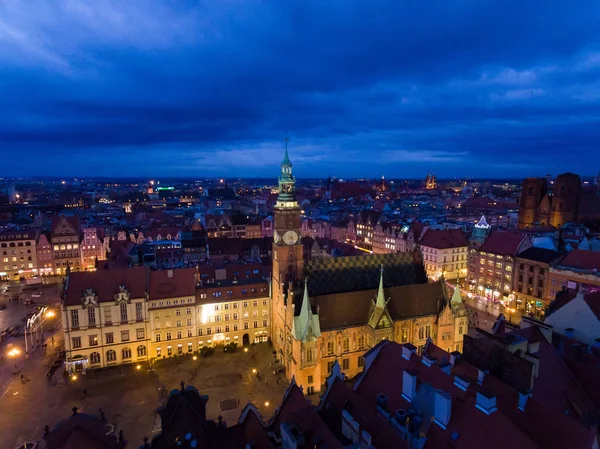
(129, 396)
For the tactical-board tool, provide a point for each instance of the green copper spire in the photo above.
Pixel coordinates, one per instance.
(286, 159)
(380, 298)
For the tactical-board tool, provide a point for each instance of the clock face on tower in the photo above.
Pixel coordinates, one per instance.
(290, 238)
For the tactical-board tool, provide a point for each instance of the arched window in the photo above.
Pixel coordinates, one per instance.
(3, 245)
(12, 244)
(62, 247)
(95, 358)
(141, 351)
(111, 355)
(126, 353)
(56, 248)
(27, 243)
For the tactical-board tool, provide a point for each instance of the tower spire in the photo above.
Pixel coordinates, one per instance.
(286, 159)
(380, 297)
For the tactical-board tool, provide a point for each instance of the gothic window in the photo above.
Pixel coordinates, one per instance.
(141, 351)
(361, 342)
(330, 348)
(346, 344)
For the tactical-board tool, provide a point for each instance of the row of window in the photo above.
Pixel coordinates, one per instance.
(109, 338)
(111, 355)
(91, 314)
(13, 244)
(13, 252)
(209, 330)
(65, 247)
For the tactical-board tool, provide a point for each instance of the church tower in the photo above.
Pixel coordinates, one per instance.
(287, 261)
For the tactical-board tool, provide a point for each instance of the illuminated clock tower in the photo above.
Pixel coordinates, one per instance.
(287, 259)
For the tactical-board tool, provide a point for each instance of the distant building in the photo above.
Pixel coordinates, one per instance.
(65, 238)
(430, 182)
(445, 253)
(532, 272)
(564, 203)
(492, 265)
(44, 252)
(93, 248)
(578, 271)
(18, 255)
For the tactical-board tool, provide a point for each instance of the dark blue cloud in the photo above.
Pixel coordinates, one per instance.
(365, 88)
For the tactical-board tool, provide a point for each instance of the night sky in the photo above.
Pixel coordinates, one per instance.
(364, 88)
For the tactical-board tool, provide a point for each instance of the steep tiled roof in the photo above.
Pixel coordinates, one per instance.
(350, 274)
(534, 427)
(172, 283)
(539, 255)
(352, 308)
(57, 221)
(444, 238)
(79, 431)
(503, 243)
(106, 284)
(581, 259)
(298, 412)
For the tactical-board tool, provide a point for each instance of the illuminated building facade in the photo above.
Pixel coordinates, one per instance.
(491, 267)
(430, 182)
(329, 310)
(445, 253)
(18, 257)
(65, 240)
(92, 248)
(105, 319)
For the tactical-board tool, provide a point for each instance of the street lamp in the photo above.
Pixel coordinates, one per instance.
(195, 359)
(13, 353)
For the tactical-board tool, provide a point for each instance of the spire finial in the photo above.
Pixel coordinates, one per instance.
(286, 159)
(380, 298)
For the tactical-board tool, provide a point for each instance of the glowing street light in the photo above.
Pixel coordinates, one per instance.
(74, 377)
(138, 367)
(253, 370)
(266, 403)
(195, 358)
(50, 314)
(245, 349)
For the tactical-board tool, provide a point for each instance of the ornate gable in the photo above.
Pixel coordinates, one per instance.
(122, 295)
(89, 298)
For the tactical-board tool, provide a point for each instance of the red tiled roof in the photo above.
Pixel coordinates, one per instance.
(503, 242)
(296, 410)
(172, 283)
(444, 238)
(581, 259)
(537, 426)
(106, 283)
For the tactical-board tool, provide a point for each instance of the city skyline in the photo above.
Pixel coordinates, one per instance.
(209, 89)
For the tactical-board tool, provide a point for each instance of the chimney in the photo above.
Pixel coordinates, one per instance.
(409, 385)
(408, 350)
(533, 347)
(169, 274)
(523, 396)
(454, 356)
(442, 408)
(428, 361)
(480, 376)
(570, 332)
(445, 367)
(365, 440)
(486, 402)
(460, 382)
(350, 428)
(382, 401)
